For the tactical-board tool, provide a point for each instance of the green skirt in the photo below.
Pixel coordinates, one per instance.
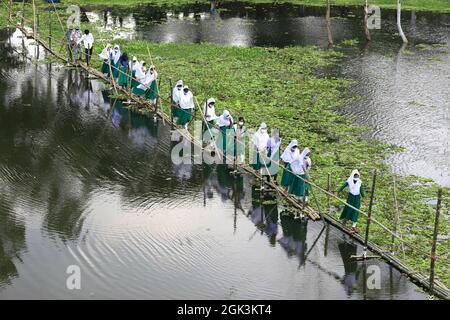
(138, 91)
(123, 76)
(257, 163)
(298, 186)
(152, 92)
(349, 213)
(105, 68)
(115, 69)
(134, 82)
(184, 116)
(287, 177)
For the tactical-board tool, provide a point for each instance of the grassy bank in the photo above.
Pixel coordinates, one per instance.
(282, 88)
(430, 5)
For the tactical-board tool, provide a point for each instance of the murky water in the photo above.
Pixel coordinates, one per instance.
(85, 182)
(404, 94)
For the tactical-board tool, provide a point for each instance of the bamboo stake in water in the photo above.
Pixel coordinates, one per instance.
(23, 14)
(34, 20)
(366, 20)
(329, 192)
(369, 213)
(50, 30)
(397, 216)
(435, 235)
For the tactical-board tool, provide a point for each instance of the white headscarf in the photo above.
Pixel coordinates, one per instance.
(186, 99)
(301, 162)
(148, 79)
(306, 161)
(288, 155)
(354, 187)
(225, 119)
(139, 72)
(176, 93)
(260, 138)
(105, 55)
(116, 55)
(135, 63)
(210, 112)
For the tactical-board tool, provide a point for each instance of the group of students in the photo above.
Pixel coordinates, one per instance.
(133, 75)
(296, 164)
(74, 39)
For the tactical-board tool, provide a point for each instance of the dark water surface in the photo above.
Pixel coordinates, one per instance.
(404, 94)
(85, 182)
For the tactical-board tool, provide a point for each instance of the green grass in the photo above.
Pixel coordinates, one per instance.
(281, 87)
(431, 5)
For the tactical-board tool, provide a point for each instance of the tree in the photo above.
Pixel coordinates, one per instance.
(399, 23)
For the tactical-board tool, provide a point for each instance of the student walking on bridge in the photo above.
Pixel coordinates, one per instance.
(88, 42)
(300, 167)
(186, 102)
(356, 192)
(289, 154)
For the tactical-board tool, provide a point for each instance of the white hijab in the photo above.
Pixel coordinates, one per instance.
(306, 161)
(288, 155)
(224, 119)
(105, 55)
(116, 55)
(210, 112)
(354, 187)
(139, 72)
(260, 138)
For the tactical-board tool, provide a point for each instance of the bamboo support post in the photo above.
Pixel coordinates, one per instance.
(10, 11)
(328, 24)
(366, 21)
(22, 22)
(435, 235)
(329, 192)
(369, 213)
(157, 94)
(34, 20)
(171, 104)
(50, 30)
(397, 217)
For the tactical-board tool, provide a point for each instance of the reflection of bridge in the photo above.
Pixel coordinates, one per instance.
(314, 213)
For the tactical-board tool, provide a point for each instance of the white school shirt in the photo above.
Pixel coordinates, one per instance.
(176, 94)
(88, 40)
(186, 101)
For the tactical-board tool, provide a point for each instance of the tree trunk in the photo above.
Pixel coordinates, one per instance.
(328, 22)
(366, 18)
(399, 23)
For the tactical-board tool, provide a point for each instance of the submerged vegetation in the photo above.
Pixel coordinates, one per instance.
(282, 87)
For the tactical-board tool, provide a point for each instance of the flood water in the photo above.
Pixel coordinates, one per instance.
(85, 182)
(403, 95)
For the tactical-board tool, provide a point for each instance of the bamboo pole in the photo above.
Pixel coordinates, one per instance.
(366, 20)
(22, 22)
(34, 20)
(50, 30)
(10, 11)
(158, 85)
(329, 192)
(399, 22)
(328, 23)
(435, 235)
(369, 213)
(111, 76)
(397, 216)
(171, 104)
